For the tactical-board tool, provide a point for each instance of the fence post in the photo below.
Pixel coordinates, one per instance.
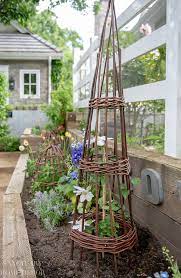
(173, 77)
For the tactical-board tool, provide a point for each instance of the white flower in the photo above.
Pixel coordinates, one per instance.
(25, 143)
(85, 194)
(21, 148)
(150, 148)
(78, 225)
(145, 29)
(100, 141)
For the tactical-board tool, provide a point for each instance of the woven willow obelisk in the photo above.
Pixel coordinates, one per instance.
(104, 223)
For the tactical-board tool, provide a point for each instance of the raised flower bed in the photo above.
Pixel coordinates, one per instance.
(49, 232)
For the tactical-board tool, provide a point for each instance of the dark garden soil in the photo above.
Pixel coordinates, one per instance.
(51, 253)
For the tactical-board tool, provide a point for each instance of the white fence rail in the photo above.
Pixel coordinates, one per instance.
(169, 89)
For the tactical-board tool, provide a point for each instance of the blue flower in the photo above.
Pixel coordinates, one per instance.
(164, 274)
(76, 152)
(74, 175)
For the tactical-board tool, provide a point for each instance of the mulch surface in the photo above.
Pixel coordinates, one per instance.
(51, 253)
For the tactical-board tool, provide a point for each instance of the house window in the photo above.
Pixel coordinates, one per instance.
(29, 83)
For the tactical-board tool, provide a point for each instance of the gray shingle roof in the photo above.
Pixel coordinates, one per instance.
(26, 42)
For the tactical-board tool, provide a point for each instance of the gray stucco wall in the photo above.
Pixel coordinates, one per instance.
(22, 119)
(14, 72)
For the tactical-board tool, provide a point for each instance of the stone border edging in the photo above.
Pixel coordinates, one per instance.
(17, 258)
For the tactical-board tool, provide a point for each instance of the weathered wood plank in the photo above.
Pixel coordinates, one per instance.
(17, 180)
(161, 225)
(17, 258)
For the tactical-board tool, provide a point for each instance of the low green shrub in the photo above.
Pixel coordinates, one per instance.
(51, 208)
(31, 167)
(9, 144)
(47, 176)
(3, 105)
(36, 130)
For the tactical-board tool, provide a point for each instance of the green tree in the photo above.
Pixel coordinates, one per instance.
(62, 96)
(22, 10)
(45, 25)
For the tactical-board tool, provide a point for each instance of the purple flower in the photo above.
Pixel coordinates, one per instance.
(39, 195)
(74, 175)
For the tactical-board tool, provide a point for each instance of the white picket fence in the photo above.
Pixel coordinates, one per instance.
(169, 89)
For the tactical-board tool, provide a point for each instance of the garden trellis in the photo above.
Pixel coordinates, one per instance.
(105, 223)
(50, 163)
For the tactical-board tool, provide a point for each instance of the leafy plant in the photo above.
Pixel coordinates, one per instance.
(9, 144)
(173, 264)
(96, 7)
(105, 229)
(36, 130)
(31, 167)
(51, 208)
(82, 125)
(47, 175)
(135, 181)
(66, 187)
(3, 106)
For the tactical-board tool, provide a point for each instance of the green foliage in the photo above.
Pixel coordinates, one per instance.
(173, 264)
(66, 188)
(76, 4)
(96, 7)
(45, 25)
(47, 174)
(23, 10)
(135, 181)
(82, 125)
(126, 38)
(17, 10)
(105, 229)
(148, 68)
(61, 103)
(9, 144)
(36, 130)
(155, 137)
(114, 205)
(51, 208)
(31, 167)
(3, 106)
(125, 192)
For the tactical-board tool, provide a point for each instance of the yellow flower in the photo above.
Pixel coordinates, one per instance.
(21, 148)
(72, 138)
(62, 137)
(25, 143)
(67, 134)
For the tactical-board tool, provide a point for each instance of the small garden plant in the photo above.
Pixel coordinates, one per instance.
(51, 208)
(8, 143)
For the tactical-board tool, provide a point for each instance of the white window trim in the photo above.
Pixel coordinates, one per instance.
(22, 72)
